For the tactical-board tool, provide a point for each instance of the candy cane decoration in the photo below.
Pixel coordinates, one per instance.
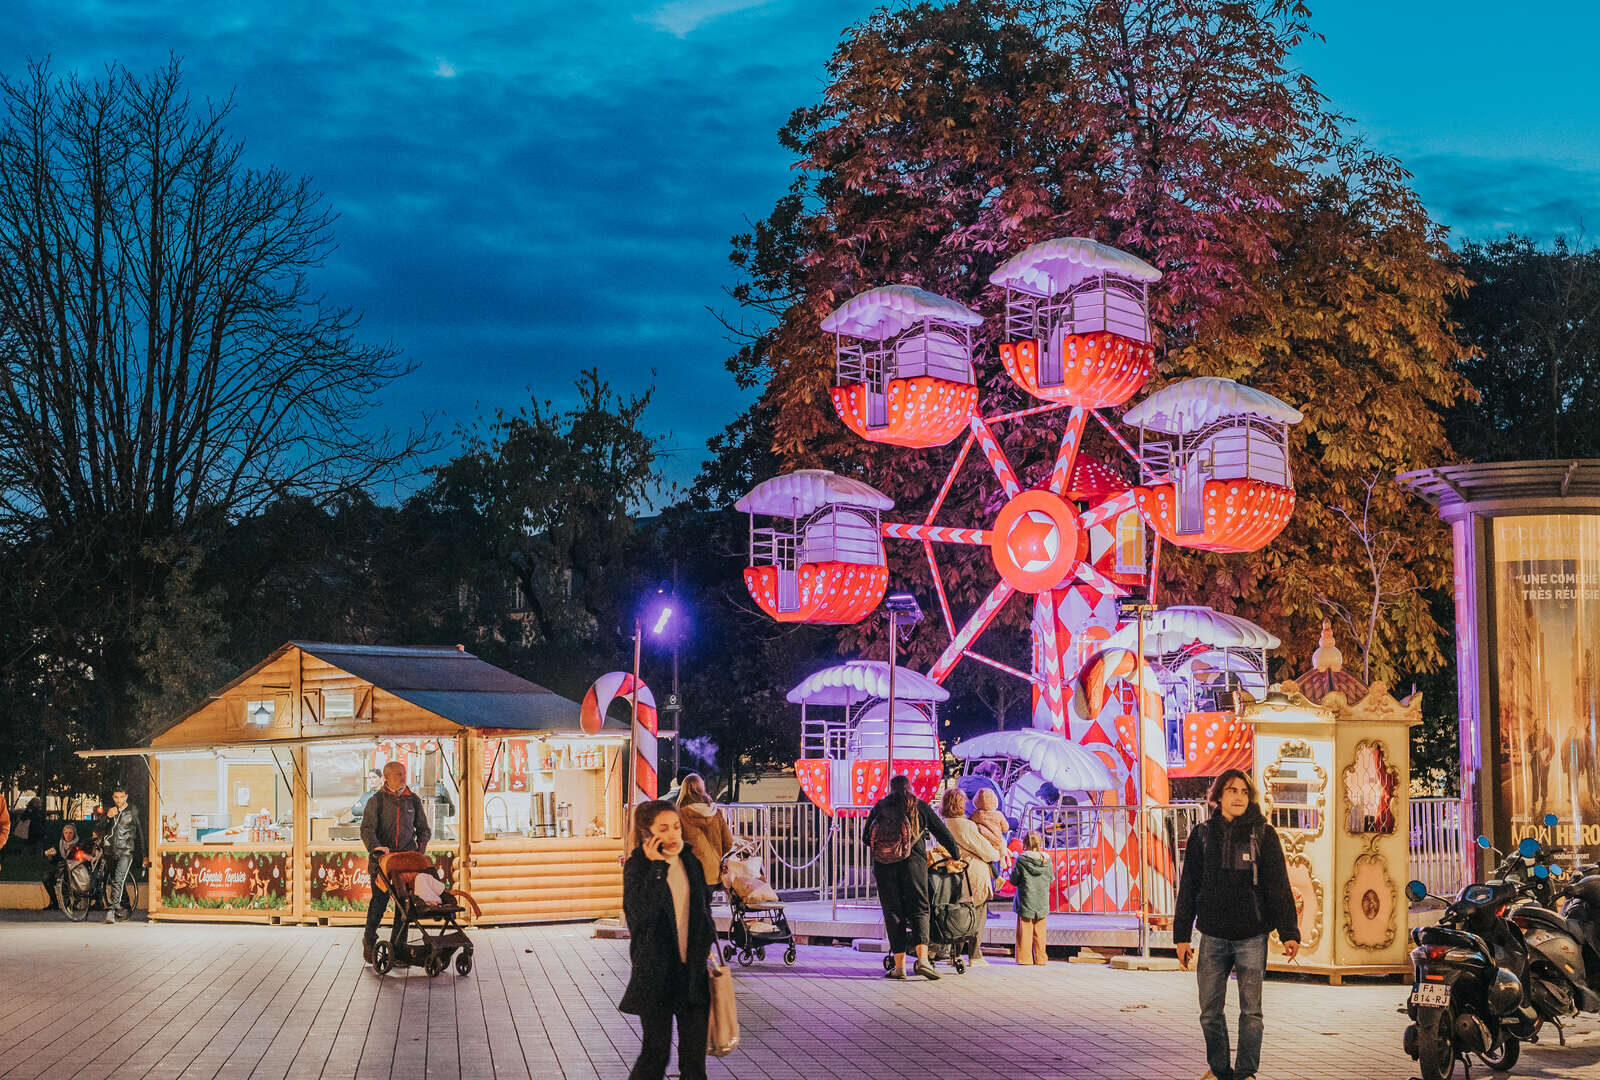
(592, 714)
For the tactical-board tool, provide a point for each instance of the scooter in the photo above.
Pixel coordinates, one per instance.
(1468, 996)
(1563, 974)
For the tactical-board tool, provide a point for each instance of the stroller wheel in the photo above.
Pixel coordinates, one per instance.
(791, 956)
(382, 958)
(746, 958)
(727, 954)
(463, 962)
(761, 952)
(433, 964)
(960, 965)
(888, 963)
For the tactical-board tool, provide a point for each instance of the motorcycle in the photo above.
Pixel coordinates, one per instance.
(1467, 997)
(1563, 973)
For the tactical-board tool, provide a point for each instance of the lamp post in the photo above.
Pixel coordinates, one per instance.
(1140, 609)
(903, 610)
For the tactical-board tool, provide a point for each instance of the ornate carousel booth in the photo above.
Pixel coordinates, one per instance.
(1333, 766)
(255, 797)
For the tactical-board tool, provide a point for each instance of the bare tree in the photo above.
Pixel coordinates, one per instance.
(166, 369)
(165, 356)
(1387, 577)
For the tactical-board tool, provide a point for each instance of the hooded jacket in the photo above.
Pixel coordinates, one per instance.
(988, 818)
(978, 853)
(1235, 883)
(1031, 875)
(706, 833)
(393, 820)
(660, 980)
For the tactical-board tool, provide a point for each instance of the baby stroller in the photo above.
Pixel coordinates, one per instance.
(758, 916)
(425, 932)
(954, 924)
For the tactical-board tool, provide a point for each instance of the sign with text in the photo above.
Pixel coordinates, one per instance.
(1546, 600)
(225, 881)
(340, 880)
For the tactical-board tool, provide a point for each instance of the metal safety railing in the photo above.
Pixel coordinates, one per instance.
(808, 855)
(1440, 851)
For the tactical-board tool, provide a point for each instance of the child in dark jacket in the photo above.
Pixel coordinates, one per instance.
(668, 909)
(1031, 875)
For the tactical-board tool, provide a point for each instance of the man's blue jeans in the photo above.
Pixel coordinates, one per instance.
(1248, 959)
(121, 866)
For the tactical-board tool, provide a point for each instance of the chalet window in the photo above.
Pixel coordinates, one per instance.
(260, 713)
(338, 705)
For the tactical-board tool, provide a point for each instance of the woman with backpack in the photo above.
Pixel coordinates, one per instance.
(1235, 885)
(895, 832)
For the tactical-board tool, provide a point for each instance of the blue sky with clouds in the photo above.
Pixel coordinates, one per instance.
(527, 188)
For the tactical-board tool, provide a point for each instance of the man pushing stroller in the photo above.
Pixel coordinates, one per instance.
(393, 820)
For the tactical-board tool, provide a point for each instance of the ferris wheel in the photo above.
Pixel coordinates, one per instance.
(1207, 467)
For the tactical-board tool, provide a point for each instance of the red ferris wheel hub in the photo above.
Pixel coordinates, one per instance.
(1036, 541)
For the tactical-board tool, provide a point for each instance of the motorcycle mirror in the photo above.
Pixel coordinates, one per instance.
(1551, 820)
(1541, 872)
(1417, 891)
(1528, 848)
(1483, 842)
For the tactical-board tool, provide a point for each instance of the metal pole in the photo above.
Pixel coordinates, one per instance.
(894, 659)
(677, 717)
(633, 725)
(1144, 832)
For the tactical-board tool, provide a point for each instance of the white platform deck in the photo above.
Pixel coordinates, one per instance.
(819, 919)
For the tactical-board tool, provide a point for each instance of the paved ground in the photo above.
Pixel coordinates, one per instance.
(185, 1000)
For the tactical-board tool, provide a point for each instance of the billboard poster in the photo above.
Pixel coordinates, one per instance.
(340, 881)
(1546, 583)
(225, 881)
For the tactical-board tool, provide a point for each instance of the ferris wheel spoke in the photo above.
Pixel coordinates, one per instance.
(1110, 510)
(975, 625)
(1090, 576)
(938, 587)
(939, 534)
(1071, 439)
(997, 457)
(1044, 626)
(950, 479)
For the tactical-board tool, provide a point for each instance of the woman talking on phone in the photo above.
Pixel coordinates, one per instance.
(668, 909)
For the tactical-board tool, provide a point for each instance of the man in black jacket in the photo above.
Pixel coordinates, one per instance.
(393, 820)
(1236, 886)
(124, 839)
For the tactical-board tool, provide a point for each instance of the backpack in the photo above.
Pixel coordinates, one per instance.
(891, 845)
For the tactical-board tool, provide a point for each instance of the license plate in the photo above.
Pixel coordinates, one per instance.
(1431, 995)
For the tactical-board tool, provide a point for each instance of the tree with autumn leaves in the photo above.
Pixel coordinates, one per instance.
(1295, 259)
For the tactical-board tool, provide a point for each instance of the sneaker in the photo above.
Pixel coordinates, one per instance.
(111, 918)
(366, 951)
(926, 970)
(978, 961)
(895, 973)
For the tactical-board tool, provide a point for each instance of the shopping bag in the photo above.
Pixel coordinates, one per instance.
(723, 1036)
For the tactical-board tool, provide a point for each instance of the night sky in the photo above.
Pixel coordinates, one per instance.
(528, 189)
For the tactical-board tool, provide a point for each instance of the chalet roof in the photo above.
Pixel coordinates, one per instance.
(449, 682)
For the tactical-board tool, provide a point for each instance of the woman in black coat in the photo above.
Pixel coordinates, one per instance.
(668, 908)
(903, 882)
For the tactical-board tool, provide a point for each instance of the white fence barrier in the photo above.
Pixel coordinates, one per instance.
(807, 855)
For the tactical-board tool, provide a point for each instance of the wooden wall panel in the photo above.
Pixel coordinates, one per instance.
(545, 878)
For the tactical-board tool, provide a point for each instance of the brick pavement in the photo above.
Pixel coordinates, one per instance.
(182, 1001)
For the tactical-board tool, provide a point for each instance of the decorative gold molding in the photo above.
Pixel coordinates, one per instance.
(1395, 795)
(1370, 857)
(1296, 750)
(1312, 939)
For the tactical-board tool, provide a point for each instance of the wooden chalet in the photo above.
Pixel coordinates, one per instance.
(255, 796)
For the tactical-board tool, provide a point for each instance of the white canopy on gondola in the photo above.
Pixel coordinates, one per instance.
(856, 681)
(882, 313)
(1057, 759)
(1192, 404)
(1174, 628)
(1051, 267)
(799, 493)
